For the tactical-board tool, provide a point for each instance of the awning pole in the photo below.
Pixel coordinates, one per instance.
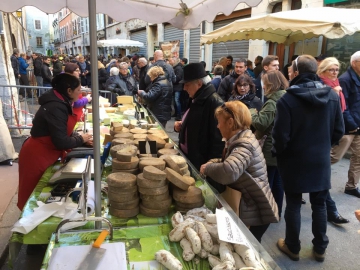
(95, 106)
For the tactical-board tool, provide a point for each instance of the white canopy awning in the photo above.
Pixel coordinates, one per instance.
(122, 43)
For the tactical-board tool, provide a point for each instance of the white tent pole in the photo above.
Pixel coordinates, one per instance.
(95, 105)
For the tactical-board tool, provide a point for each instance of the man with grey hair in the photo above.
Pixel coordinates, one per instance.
(177, 86)
(218, 71)
(308, 122)
(129, 83)
(199, 138)
(143, 68)
(350, 84)
(159, 61)
(15, 65)
(227, 84)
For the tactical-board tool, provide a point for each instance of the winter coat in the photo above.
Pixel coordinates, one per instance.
(85, 80)
(251, 101)
(38, 63)
(129, 84)
(257, 70)
(308, 122)
(258, 87)
(103, 76)
(216, 82)
(227, 85)
(263, 122)
(169, 72)
(46, 73)
(52, 119)
(244, 169)
(199, 128)
(57, 67)
(179, 74)
(159, 98)
(350, 84)
(115, 85)
(22, 66)
(142, 74)
(15, 65)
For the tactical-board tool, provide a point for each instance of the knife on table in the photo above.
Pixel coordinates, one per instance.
(95, 254)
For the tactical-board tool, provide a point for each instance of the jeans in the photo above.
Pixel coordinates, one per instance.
(276, 186)
(331, 206)
(319, 221)
(177, 103)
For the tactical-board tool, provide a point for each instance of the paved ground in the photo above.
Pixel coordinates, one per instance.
(342, 253)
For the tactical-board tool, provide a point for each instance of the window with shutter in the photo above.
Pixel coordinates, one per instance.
(37, 24)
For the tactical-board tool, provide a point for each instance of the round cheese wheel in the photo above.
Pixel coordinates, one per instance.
(151, 204)
(154, 191)
(123, 157)
(125, 135)
(122, 141)
(121, 180)
(146, 183)
(155, 130)
(132, 171)
(180, 161)
(190, 180)
(169, 146)
(162, 135)
(158, 163)
(160, 143)
(114, 197)
(125, 148)
(159, 197)
(140, 136)
(119, 165)
(125, 205)
(136, 141)
(192, 195)
(177, 179)
(147, 156)
(187, 173)
(183, 171)
(138, 131)
(121, 190)
(166, 151)
(125, 130)
(152, 212)
(124, 213)
(172, 165)
(113, 132)
(200, 203)
(153, 173)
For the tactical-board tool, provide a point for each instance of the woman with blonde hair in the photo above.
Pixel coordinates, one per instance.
(328, 72)
(243, 168)
(274, 83)
(159, 96)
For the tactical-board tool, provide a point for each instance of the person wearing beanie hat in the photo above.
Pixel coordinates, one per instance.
(199, 138)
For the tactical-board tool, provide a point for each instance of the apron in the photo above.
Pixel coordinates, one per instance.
(36, 155)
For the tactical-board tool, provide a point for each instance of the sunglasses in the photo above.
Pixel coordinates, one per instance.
(226, 109)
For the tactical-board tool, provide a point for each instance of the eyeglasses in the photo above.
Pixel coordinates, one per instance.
(243, 85)
(332, 70)
(226, 109)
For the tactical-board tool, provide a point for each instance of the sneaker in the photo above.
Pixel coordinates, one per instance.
(319, 257)
(284, 248)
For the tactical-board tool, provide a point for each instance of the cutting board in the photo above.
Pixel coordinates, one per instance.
(69, 257)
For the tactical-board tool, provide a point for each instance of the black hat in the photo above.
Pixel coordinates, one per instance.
(321, 57)
(193, 71)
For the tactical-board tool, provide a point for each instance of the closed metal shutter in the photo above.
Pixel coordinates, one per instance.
(194, 52)
(237, 48)
(172, 33)
(140, 36)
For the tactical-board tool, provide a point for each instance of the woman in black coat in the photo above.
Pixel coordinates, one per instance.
(159, 96)
(244, 91)
(103, 76)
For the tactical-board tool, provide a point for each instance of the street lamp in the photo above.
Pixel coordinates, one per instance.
(19, 14)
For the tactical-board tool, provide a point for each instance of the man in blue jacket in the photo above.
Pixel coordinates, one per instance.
(350, 84)
(23, 65)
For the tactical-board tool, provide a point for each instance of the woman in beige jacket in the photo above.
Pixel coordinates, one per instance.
(243, 168)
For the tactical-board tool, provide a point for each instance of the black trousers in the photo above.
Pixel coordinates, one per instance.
(24, 81)
(258, 231)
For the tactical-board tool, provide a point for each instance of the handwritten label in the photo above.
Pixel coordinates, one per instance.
(227, 229)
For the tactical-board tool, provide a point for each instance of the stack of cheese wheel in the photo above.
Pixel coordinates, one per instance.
(154, 192)
(126, 159)
(123, 195)
(184, 193)
(115, 128)
(177, 163)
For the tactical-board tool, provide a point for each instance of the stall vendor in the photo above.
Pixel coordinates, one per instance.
(51, 135)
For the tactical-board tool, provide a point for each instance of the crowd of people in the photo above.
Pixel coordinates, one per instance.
(258, 134)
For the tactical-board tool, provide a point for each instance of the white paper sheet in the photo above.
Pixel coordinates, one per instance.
(227, 229)
(70, 257)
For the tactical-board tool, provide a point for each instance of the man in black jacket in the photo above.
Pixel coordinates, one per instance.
(177, 86)
(15, 65)
(308, 122)
(46, 73)
(143, 66)
(199, 138)
(227, 84)
(37, 62)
